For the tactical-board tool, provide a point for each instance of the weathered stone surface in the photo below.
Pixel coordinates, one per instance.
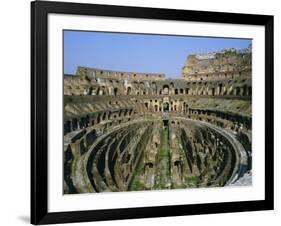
(228, 63)
(137, 131)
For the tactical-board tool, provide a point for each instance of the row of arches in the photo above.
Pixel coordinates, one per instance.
(238, 121)
(95, 118)
(216, 76)
(219, 90)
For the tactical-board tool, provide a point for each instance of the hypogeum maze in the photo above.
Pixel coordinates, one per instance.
(137, 131)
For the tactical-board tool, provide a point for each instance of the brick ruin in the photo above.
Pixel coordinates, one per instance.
(129, 131)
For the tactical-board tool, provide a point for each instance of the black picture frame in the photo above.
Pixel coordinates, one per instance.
(39, 112)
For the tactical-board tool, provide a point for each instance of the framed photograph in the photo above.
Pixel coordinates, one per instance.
(145, 112)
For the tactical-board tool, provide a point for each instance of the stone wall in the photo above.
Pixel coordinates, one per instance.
(109, 74)
(225, 64)
(136, 131)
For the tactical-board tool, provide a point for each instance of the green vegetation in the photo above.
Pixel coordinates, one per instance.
(192, 181)
(164, 161)
(137, 183)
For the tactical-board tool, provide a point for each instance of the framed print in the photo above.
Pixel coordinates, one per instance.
(145, 112)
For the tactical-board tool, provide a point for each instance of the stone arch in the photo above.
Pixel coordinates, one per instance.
(141, 85)
(99, 118)
(115, 91)
(146, 105)
(166, 107)
(90, 90)
(244, 90)
(103, 90)
(129, 89)
(213, 91)
(171, 85)
(220, 89)
(250, 90)
(104, 116)
(109, 115)
(74, 124)
(155, 107)
(166, 89)
(154, 88)
(238, 91)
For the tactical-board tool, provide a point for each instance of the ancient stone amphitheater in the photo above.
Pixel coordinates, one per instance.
(130, 131)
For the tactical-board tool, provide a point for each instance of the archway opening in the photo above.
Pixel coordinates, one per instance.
(166, 107)
(213, 91)
(129, 90)
(166, 89)
(238, 91)
(115, 91)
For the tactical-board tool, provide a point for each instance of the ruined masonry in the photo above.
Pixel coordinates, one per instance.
(130, 131)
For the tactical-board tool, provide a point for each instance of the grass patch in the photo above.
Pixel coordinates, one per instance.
(193, 180)
(164, 159)
(136, 184)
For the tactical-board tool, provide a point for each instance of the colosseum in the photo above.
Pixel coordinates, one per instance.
(132, 131)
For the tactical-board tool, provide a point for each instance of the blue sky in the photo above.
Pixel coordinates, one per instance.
(137, 52)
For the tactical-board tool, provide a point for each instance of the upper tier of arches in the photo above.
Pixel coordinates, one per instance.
(83, 86)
